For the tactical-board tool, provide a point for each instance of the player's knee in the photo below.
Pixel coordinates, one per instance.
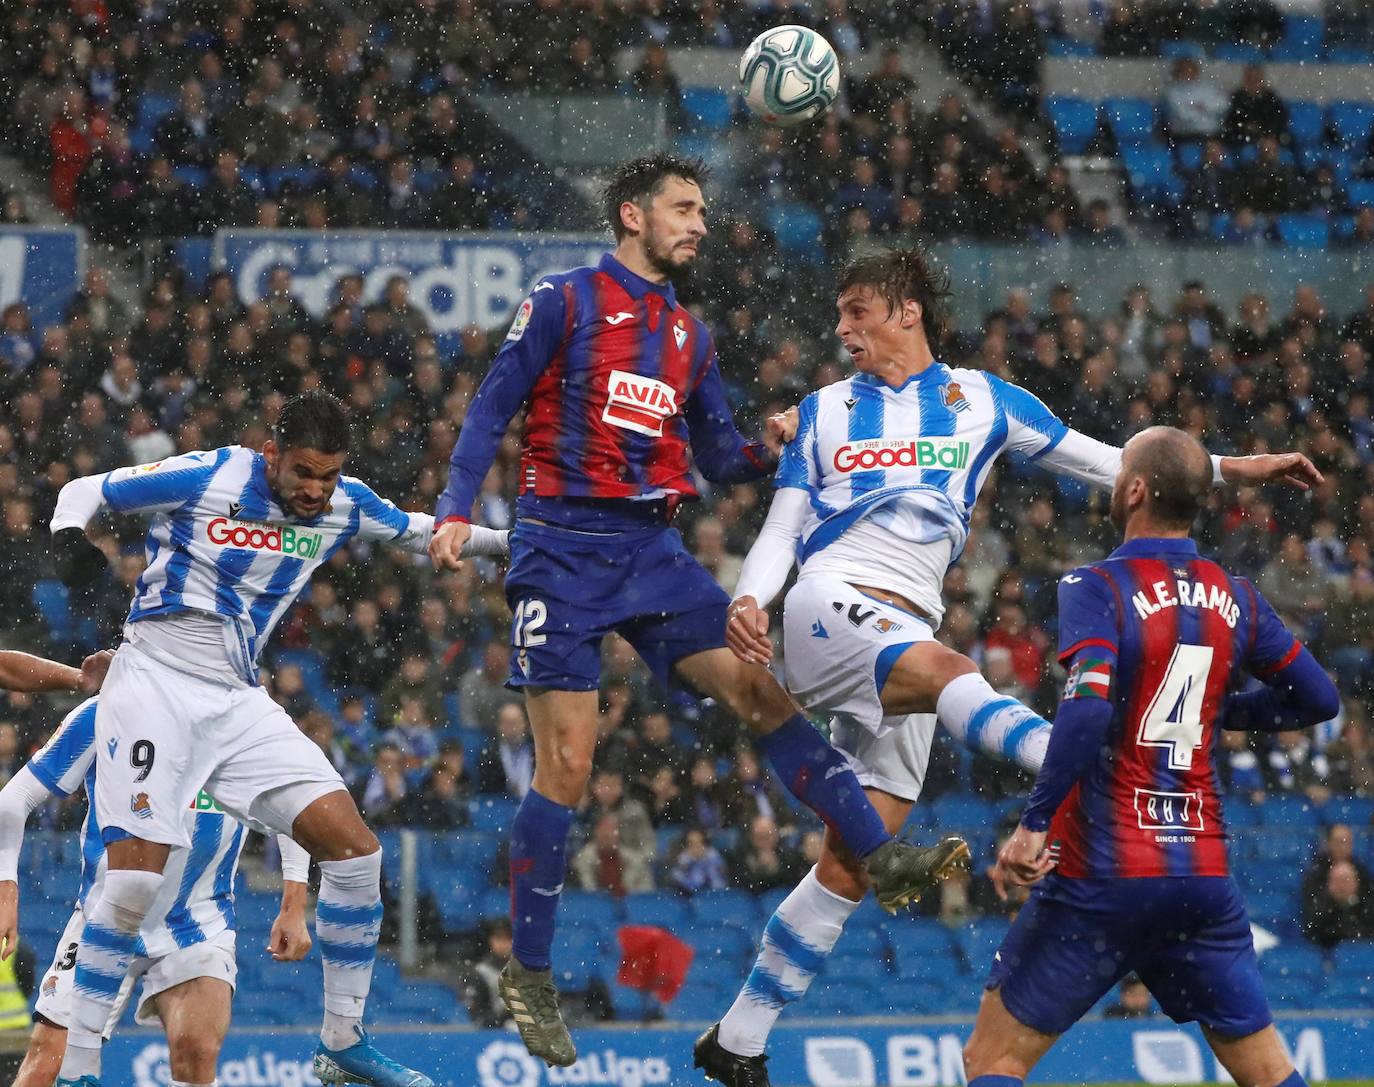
(756, 698)
(192, 1052)
(572, 766)
(43, 1060)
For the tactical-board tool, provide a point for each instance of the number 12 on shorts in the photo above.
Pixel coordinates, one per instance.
(529, 617)
(1174, 717)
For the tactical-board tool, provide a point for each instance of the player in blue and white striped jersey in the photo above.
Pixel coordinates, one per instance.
(235, 536)
(873, 503)
(186, 946)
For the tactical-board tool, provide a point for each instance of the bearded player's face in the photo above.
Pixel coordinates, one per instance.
(674, 224)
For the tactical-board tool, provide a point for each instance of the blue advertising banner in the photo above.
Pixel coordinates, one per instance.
(826, 1054)
(456, 280)
(41, 267)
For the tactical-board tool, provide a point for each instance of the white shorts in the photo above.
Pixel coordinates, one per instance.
(213, 958)
(836, 641)
(162, 735)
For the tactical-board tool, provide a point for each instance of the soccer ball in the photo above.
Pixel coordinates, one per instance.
(788, 75)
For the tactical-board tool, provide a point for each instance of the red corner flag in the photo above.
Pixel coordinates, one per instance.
(653, 960)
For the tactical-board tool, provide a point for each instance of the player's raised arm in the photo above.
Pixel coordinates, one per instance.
(722, 453)
(1296, 693)
(381, 519)
(530, 345)
(140, 488)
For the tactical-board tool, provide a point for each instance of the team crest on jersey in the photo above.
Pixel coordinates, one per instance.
(638, 403)
(886, 626)
(522, 319)
(50, 985)
(955, 399)
(679, 335)
(140, 806)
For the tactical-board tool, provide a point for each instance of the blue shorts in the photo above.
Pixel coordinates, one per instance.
(1188, 937)
(567, 590)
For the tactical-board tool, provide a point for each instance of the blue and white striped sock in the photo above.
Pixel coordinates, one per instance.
(796, 940)
(108, 944)
(348, 921)
(983, 720)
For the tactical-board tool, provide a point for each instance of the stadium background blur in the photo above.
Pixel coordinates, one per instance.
(1187, 249)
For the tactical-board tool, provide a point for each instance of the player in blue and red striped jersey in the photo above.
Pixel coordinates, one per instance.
(619, 380)
(1135, 877)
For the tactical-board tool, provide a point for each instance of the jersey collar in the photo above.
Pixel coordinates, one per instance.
(935, 372)
(636, 286)
(1146, 546)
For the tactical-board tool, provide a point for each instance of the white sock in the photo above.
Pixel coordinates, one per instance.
(797, 938)
(107, 946)
(348, 921)
(983, 720)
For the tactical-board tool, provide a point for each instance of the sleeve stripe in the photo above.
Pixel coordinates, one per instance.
(1282, 663)
(1101, 642)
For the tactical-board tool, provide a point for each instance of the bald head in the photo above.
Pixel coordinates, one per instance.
(1165, 476)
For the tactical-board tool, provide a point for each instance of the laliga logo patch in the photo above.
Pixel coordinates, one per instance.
(638, 403)
(954, 397)
(522, 319)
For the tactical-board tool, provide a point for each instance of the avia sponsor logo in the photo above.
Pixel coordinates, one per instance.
(255, 536)
(948, 454)
(152, 1068)
(638, 403)
(507, 1064)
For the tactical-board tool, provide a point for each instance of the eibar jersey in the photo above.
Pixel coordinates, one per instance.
(220, 543)
(1164, 635)
(196, 900)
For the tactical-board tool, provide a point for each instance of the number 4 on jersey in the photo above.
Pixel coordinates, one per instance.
(1174, 717)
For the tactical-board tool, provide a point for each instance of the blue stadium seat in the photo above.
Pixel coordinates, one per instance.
(1351, 122)
(710, 109)
(313, 676)
(1189, 157)
(918, 943)
(1349, 54)
(490, 812)
(660, 908)
(697, 1001)
(591, 908)
(1348, 991)
(797, 229)
(726, 973)
(869, 943)
(1354, 958)
(1238, 53)
(1074, 121)
(1150, 170)
(53, 602)
(922, 995)
(1302, 40)
(1289, 810)
(722, 941)
(1307, 122)
(153, 109)
(1292, 960)
(960, 811)
(631, 1004)
(1131, 120)
(1070, 47)
(1174, 50)
(195, 177)
(979, 941)
(728, 907)
(1361, 195)
(302, 177)
(842, 996)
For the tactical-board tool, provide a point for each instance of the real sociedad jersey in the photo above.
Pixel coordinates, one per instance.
(1164, 635)
(220, 543)
(196, 901)
(910, 459)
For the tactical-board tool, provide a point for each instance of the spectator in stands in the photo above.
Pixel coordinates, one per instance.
(668, 805)
(1269, 185)
(1125, 33)
(606, 795)
(1295, 588)
(482, 691)
(481, 989)
(1239, 767)
(1339, 848)
(1100, 229)
(384, 793)
(609, 863)
(1255, 111)
(1194, 108)
(698, 866)
(945, 212)
(366, 658)
(656, 80)
(748, 791)
(889, 82)
(71, 142)
(190, 136)
(506, 764)
(226, 199)
(441, 802)
(1132, 1000)
(1341, 910)
(763, 861)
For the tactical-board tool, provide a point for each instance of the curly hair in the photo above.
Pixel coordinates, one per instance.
(902, 275)
(640, 180)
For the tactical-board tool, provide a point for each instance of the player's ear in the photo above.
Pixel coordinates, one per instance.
(911, 313)
(631, 216)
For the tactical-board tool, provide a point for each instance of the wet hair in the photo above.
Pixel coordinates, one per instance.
(640, 180)
(1177, 471)
(903, 275)
(314, 420)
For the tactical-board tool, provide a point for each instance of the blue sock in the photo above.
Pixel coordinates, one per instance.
(996, 1081)
(820, 777)
(1295, 1080)
(538, 863)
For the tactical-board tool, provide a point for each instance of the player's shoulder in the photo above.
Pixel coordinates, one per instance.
(1092, 577)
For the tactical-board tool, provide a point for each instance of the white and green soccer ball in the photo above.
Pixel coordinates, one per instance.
(788, 75)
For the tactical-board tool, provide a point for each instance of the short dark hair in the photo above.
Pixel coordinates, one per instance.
(313, 420)
(1177, 471)
(640, 180)
(902, 275)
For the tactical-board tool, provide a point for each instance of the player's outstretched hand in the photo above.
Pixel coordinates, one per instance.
(9, 918)
(446, 547)
(93, 670)
(746, 631)
(1022, 861)
(289, 940)
(1291, 468)
(780, 429)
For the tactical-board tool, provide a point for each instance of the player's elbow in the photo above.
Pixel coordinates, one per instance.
(1322, 704)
